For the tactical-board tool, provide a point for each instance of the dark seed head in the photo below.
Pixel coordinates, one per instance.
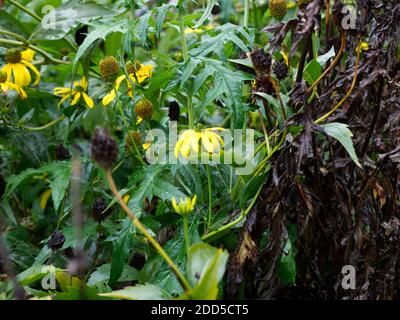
(174, 111)
(144, 109)
(264, 84)
(137, 138)
(109, 68)
(261, 60)
(104, 148)
(13, 55)
(2, 186)
(56, 240)
(281, 70)
(98, 210)
(62, 153)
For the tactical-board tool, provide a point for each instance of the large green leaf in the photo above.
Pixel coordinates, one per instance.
(205, 269)
(120, 255)
(101, 31)
(68, 16)
(342, 133)
(102, 275)
(139, 292)
(59, 176)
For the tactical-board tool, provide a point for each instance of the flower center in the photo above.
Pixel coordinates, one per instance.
(3, 76)
(13, 56)
(80, 88)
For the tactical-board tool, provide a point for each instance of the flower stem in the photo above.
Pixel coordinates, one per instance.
(143, 230)
(246, 13)
(185, 218)
(326, 115)
(209, 196)
(35, 48)
(48, 125)
(25, 9)
(228, 226)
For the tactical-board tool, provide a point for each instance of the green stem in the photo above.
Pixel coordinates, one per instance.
(209, 197)
(185, 218)
(185, 53)
(228, 226)
(35, 48)
(48, 125)
(246, 13)
(25, 9)
(12, 34)
(185, 284)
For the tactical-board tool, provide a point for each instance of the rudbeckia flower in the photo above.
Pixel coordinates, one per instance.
(141, 74)
(78, 91)
(192, 140)
(5, 86)
(18, 66)
(185, 206)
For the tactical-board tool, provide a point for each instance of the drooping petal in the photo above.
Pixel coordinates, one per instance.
(185, 148)
(88, 100)
(61, 91)
(21, 74)
(108, 98)
(65, 97)
(77, 96)
(35, 71)
(144, 72)
(8, 69)
(205, 139)
(119, 81)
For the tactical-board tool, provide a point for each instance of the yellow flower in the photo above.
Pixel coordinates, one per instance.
(78, 91)
(18, 65)
(5, 86)
(185, 206)
(190, 140)
(142, 74)
(364, 46)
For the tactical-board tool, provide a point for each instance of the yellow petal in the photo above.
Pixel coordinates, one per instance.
(126, 198)
(77, 96)
(175, 205)
(8, 69)
(146, 145)
(139, 120)
(21, 74)
(207, 143)
(35, 71)
(185, 148)
(44, 198)
(63, 99)
(61, 91)
(108, 98)
(88, 100)
(119, 81)
(83, 83)
(28, 54)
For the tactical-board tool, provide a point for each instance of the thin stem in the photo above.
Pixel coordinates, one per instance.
(185, 218)
(35, 48)
(209, 196)
(46, 126)
(185, 53)
(265, 132)
(326, 115)
(246, 13)
(12, 34)
(333, 64)
(25, 9)
(230, 225)
(143, 230)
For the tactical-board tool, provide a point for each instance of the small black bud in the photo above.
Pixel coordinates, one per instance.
(62, 153)
(216, 10)
(174, 111)
(56, 240)
(98, 210)
(104, 149)
(138, 261)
